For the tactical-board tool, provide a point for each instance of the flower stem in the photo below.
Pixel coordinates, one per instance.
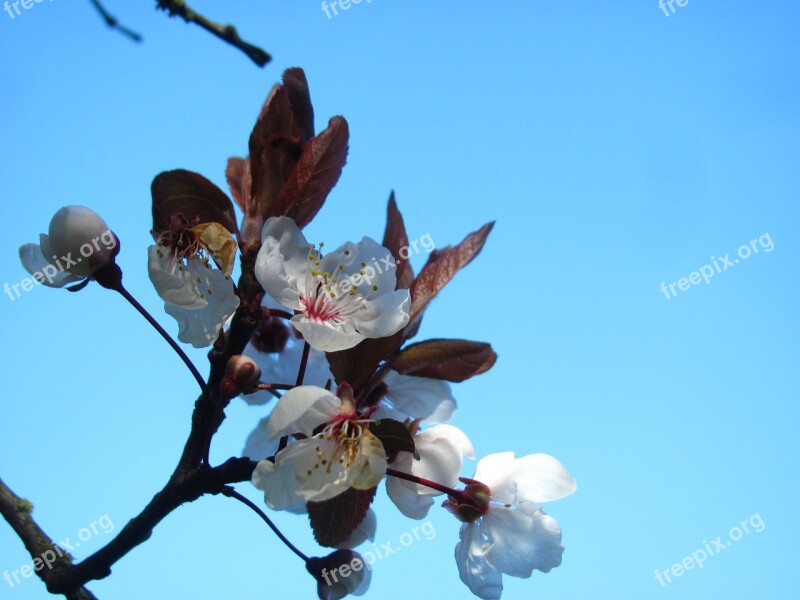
(274, 386)
(231, 493)
(422, 481)
(173, 344)
(301, 373)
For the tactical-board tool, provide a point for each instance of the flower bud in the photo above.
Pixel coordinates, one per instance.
(80, 235)
(340, 573)
(471, 503)
(241, 372)
(270, 336)
(345, 394)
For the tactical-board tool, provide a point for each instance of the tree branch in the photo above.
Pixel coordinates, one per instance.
(226, 33)
(17, 512)
(191, 479)
(112, 22)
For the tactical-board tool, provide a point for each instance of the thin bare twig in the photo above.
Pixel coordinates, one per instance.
(226, 33)
(112, 22)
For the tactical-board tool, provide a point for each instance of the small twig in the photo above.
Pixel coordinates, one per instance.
(231, 493)
(172, 343)
(112, 22)
(226, 33)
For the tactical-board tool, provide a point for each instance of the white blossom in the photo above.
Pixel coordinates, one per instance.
(342, 455)
(440, 452)
(340, 298)
(514, 536)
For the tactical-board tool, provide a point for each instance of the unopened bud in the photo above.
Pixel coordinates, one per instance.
(241, 372)
(471, 503)
(80, 234)
(270, 336)
(340, 573)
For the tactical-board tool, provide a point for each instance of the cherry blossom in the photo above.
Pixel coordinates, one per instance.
(340, 298)
(342, 455)
(440, 452)
(199, 297)
(505, 529)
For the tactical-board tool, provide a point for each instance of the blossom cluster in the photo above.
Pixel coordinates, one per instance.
(357, 405)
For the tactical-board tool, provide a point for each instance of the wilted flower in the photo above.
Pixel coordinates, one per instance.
(200, 297)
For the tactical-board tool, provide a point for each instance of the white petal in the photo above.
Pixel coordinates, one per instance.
(497, 471)
(532, 478)
(200, 327)
(328, 471)
(73, 228)
(375, 272)
(374, 464)
(325, 336)
(365, 531)
(420, 397)
(542, 478)
(301, 410)
(258, 445)
(522, 539)
(278, 481)
(410, 503)
(383, 315)
(473, 568)
(174, 282)
(282, 264)
(441, 450)
(34, 261)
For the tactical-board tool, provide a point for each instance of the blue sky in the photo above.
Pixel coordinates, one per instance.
(617, 148)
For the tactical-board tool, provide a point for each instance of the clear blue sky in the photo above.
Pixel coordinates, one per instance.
(617, 148)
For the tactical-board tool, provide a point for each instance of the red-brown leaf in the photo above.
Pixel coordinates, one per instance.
(441, 267)
(238, 175)
(357, 364)
(395, 238)
(294, 80)
(315, 174)
(334, 520)
(274, 151)
(452, 360)
(182, 191)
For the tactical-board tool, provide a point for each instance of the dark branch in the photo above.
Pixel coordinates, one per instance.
(17, 512)
(191, 479)
(226, 33)
(112, 22)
